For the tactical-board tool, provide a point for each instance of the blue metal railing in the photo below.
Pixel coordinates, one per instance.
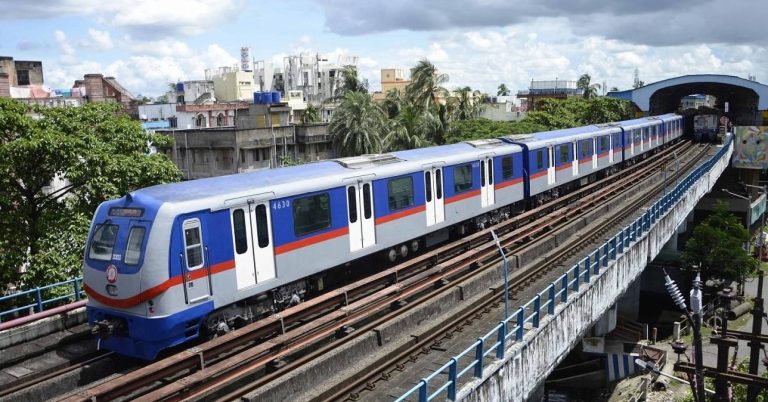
(547, 299)
(39, 299)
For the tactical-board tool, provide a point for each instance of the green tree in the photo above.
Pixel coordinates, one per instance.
(585, 84)
(393, 102)
(573, 112)
(409, 129)
(465, 105)
(503, 90)
(426, 87)
(310, 115)
(57, 165)
(476, 129)
(358, 125)
(716, 246)
(350, 82)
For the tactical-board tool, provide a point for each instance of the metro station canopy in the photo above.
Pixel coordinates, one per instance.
(746, 99)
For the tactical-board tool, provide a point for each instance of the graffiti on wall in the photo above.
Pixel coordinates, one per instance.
(750, 149)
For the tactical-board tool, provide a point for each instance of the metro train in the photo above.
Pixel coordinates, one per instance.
(173, 262)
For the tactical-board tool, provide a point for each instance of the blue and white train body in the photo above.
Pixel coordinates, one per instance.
(168, 263)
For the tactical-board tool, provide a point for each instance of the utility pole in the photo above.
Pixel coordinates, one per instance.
(697, 385)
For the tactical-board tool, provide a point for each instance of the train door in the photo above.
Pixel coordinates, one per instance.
(362, 230)
(196, 273)
(487, 190)
(551, 169)
(433, 195)
(261, 237)
(632, 136)
(594, 153)
(575, 161)
(610, 148)
(245, 266)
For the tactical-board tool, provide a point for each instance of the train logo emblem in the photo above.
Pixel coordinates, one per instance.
(111, 273)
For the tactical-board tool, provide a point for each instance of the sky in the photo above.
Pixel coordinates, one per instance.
(147, 44)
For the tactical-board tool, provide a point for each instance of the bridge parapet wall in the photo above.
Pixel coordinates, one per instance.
(528, 362)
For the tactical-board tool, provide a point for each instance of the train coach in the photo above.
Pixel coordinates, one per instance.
(170, 263)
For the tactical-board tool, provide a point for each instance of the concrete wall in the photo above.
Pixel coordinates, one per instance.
(526, 364)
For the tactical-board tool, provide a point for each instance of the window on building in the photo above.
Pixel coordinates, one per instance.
(507, 168)
(200, 121)
(400, 193)
(22, 77)
(311, 213)
(242, 157)
(462, 178)
(219, 120)
(173, 122)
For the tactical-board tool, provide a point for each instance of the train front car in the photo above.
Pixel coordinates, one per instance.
(127, 277)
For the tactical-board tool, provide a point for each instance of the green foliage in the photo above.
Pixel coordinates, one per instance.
(573, 112)
(465, 130)
(589, 90)
(358, 125)
(465, 105)
(311, 115)
(503, 90)
(89, 154)
(716, 247)
(426, 87)
(410, 129)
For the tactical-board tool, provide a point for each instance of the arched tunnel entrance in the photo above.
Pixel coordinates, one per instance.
(742, 101)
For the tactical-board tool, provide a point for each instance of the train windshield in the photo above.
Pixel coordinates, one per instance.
(103, 242)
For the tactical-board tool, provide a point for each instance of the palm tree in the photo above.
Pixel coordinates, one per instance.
(589, 89)
(503, 90)
(358, 125)
(409, 129)
(350, 82)
(392, 103)
(426, 86)
(462, 105)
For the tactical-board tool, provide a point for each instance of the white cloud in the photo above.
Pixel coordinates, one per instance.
(66, 49)
(99, 40)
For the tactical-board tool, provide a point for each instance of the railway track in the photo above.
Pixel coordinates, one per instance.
(264, 346)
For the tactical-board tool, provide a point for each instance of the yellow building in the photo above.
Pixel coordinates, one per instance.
(233, 86)
(391, 78)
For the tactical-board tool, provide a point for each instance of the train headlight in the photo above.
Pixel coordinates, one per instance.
(112, 290)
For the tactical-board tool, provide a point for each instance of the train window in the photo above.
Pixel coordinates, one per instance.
(482, 173)
(540, 159)
(401, 192)
(428, 186)
(193, 244)
(462, 178)
(103, 242)
(241, 235)
(367, 201)
(311, 213)
(135, 241)
(585, 151)
(490, 171)
(603, 144)
(563, 153)
(352, 203)
(262, 229)
(507, 168)
(439, 183)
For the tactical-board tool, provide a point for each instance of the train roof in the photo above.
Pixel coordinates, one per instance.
(239, 182)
